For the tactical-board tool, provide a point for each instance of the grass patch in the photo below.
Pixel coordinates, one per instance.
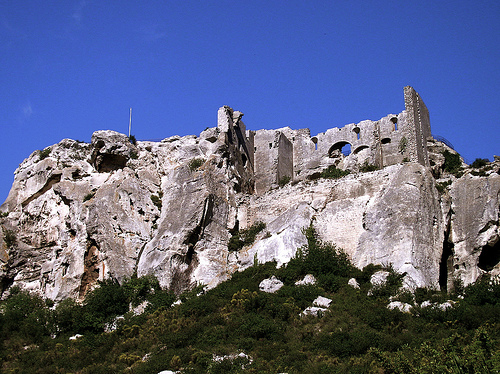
(333, 173)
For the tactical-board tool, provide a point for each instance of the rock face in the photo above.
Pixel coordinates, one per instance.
(78, 213)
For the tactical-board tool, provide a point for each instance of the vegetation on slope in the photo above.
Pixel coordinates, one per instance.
(205, 333)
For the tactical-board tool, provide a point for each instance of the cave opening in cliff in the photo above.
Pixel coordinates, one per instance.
(111, 162)
(489, 257)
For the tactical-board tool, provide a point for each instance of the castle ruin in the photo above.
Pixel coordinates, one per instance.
(271, 155)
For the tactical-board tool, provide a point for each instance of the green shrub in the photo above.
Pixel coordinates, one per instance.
(480, 173)
(328, 263)
(333, 173)
(483, 291)
(132, 139)
(479, 163)
(45, 153)
(392, 284)
(68, 316)
(26, 314)
(137, 290)
(245, 237)
(103, 304)
(195, 163)
(452, 163)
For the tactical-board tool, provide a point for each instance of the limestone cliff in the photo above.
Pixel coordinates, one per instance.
(78, 213)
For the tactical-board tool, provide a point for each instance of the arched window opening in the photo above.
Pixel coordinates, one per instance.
(360, 148)
(394, 120)
(340, 148)
(315, 141)
(356, 130)
(270, 145)
(386, 140)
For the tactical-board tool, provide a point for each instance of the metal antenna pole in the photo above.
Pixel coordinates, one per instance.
(130, 123)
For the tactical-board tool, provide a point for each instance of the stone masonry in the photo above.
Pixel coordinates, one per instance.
(296, 155)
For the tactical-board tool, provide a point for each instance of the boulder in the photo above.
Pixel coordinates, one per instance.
(398, 305)
(270, 285)
(353, 283)
(322, 302)
(307, 280)
(379, 278)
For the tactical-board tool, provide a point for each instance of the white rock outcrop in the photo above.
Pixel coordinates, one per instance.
(319, 307)
(78, 213)
(398, 305)
(322, 302)
(379, 278)
(353, 283)
(270, 285)
(309, 279)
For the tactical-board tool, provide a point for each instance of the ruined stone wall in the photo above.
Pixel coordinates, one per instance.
(392, 139)
(388, 141)
(418, 126)
(302, 144)
(285, 158)
(265, 159)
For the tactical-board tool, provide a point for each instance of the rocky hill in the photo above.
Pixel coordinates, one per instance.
(195, 209)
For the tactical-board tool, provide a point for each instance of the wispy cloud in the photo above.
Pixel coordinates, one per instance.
(151, 33)
(78, 11)
(26, 112)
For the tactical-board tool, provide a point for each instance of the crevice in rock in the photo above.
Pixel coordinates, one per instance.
(488, 225)
(53, 179)
(90, 267)
(489, 257)
(195, 235)
(136, 266)
(64, 199)
(446, 263)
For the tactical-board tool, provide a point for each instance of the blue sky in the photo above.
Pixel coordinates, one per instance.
(72, 67)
